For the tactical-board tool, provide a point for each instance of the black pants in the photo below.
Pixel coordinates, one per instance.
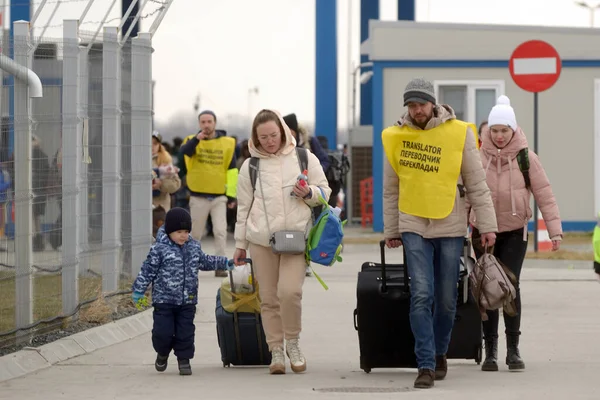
(510, 249)
(174, 329)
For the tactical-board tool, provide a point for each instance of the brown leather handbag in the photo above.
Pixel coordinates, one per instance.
(493, 285)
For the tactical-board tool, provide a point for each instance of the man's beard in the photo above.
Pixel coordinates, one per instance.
(209, 133)
(423, 124)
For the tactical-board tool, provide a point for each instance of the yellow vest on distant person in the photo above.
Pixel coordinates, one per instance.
(207, 168)
(428, 164)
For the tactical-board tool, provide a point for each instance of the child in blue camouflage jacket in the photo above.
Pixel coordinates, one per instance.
(172, 268)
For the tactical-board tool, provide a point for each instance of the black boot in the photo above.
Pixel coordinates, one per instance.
(513, 358)
(491, 355)
(161, 363)
(184, 367)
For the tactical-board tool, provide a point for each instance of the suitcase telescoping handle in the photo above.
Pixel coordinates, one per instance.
(383, 271)
(247, 261)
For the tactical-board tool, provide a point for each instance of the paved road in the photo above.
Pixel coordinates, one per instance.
(561, 324)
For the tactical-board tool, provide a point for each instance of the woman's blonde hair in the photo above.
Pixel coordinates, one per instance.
(162, 156)
(263, 117)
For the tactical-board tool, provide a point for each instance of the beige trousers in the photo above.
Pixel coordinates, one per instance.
(280, 279)
(200, 209)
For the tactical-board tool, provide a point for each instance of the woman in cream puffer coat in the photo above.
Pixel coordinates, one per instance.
(501, 144)
(280, 277)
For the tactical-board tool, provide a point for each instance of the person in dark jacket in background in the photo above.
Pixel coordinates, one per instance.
(303, 139)
(40, 172)
(172, 269)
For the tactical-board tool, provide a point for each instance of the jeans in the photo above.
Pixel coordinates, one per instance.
(433, 267)
(510, 249)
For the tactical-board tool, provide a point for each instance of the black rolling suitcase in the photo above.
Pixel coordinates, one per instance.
(467, 334)
(382, 318)
(240, 334)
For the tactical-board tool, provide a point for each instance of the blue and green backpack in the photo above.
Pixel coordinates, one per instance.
(324, 242)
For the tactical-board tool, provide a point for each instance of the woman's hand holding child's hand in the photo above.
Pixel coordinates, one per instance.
(239, 256)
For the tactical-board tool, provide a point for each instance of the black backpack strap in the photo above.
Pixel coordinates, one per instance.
(302, 154)
(253, 170)
(523, 161)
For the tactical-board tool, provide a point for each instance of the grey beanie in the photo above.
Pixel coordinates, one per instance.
(419, 90)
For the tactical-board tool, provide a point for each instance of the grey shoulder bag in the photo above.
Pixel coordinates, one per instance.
(283, 242)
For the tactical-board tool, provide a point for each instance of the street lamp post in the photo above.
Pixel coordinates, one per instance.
(592, 10)
(251, 91)
(364, 78)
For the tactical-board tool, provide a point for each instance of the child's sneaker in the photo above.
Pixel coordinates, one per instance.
(161, 362)
(277, 366)
(297, 361)
(184, 367)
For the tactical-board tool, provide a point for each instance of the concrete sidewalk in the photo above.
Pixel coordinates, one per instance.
(561, 325)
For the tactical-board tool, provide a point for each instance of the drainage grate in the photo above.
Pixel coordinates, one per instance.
(363, 390)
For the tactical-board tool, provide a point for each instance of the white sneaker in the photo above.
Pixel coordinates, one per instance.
(277, 366)
(297, 360)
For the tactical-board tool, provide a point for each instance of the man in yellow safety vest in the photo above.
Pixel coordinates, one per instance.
(432, 162)
(211, 176)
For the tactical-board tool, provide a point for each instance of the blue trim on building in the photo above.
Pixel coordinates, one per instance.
(45, 81)
(377, 165)
(326, 71)
(406, 10)
(20, 10)
(572, 226)
(377, 162)
(369, 9)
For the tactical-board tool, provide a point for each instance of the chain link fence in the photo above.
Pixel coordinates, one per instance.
(75, 215)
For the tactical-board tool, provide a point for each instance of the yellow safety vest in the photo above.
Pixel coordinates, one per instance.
(428, 165)
(232, 179)
(207, 168)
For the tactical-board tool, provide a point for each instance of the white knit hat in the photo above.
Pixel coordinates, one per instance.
(503, 114)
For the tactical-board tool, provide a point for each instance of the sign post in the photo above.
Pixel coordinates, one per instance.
(535, 66)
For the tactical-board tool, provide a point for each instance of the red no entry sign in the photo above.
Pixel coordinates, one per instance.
(535, 66)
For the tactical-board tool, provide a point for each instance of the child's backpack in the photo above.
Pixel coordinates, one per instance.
(523, 161)
(325, 238)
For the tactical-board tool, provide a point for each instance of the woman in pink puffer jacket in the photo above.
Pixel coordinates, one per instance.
(511, 196)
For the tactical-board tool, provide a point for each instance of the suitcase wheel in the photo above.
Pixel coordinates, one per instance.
(367, 370)
(226, 365)
(479, 355)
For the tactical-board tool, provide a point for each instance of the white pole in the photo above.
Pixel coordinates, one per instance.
(22, 184)
(71, 159)
(82, 110)
(141, 149)
(111, 159)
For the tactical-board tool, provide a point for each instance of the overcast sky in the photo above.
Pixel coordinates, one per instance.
(221, 49)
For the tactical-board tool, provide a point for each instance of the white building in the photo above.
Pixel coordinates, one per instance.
(469, 67)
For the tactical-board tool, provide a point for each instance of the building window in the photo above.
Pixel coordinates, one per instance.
(472, 101)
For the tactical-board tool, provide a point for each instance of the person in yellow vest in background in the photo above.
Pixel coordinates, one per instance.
(596, 242)
(211, 177)
(432, 163)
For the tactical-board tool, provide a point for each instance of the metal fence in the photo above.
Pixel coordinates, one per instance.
(75, 172)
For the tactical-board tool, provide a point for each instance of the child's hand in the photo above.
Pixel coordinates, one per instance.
(139, 300)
